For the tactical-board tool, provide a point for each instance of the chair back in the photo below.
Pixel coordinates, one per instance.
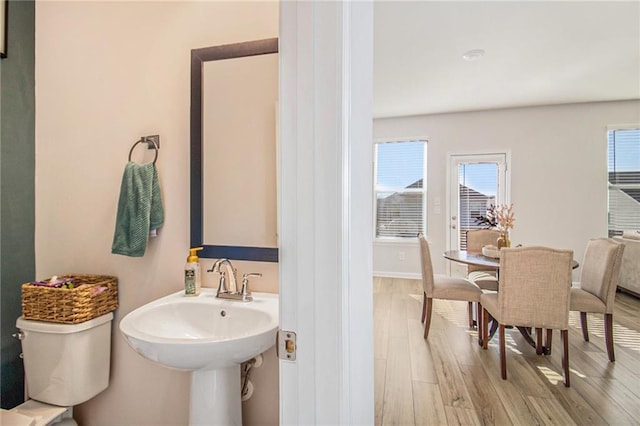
(478, 238)
(600, 269)
(427, 266)
(535, 283)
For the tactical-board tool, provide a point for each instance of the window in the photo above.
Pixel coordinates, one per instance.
(400, 188)
(624, 179)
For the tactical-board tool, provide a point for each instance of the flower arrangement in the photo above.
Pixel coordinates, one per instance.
(505, 217)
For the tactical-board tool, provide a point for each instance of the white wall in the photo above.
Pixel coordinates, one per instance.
(558, 172)
(106, 74)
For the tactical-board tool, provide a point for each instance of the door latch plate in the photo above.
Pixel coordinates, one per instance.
(286, 347)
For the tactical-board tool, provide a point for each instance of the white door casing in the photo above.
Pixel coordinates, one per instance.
(325, 216)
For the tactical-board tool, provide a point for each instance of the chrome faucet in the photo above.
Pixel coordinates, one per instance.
(225, 292)
(222, 287)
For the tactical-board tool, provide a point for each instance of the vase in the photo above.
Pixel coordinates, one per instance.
(503, 240)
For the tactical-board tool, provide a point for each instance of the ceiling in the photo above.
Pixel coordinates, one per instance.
(536, 53)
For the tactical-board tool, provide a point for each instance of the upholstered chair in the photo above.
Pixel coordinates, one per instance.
(482, 276)
(443, 287)
(535, 283)
(596, 291)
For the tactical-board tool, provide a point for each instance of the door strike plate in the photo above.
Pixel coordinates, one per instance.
(286, 346)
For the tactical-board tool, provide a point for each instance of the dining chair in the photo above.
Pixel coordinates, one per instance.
(596, 290)
(444, 287)
(484, 277)
(535, 283)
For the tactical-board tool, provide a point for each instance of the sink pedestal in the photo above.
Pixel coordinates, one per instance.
(215, 397)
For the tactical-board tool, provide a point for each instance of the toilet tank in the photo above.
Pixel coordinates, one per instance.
(66, 364)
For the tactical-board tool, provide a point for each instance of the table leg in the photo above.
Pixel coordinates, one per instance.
(526, 333)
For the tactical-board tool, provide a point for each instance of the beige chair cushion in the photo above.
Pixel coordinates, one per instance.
(534, 288)
(600, 270)
(478, 238)
(455, 289)
(441, 286)
(489, 301)
(427, 267)
(584, 301)
(484, 279)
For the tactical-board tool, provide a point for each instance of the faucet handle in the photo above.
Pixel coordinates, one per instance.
(245, 282)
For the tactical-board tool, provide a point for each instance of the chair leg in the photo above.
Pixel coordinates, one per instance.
(424, 306)
(585, 327)
(608, 335)
(565, 357)
(470, 312)
(548, 341)
(427, 320)
(503, 355)
(485, 328)
(538, 341)
(479, 319)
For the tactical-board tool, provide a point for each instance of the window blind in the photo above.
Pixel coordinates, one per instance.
(623, 146)
(400, 189)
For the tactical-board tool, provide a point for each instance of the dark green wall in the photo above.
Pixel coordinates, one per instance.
(17, 176)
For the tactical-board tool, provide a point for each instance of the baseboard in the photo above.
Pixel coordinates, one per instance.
(630, 292)
(404, 275)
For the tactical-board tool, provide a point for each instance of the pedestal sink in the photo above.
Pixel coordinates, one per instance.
(210, 337)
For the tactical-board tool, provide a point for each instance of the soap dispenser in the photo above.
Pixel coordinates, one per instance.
(192, 273)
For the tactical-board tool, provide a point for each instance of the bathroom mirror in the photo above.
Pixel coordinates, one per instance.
(234, 93)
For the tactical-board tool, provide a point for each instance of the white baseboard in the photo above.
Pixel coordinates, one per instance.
(405, 275)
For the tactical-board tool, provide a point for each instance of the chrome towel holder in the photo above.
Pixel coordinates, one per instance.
(153, 142)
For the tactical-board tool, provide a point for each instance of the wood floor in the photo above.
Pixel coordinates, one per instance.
(449, 379)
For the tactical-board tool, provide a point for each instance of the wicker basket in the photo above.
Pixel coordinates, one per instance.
(71, 306)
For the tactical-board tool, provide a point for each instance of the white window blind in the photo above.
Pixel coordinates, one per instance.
(624, 180)
(400, 188)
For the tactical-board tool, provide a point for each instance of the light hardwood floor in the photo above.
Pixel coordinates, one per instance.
(449, 379)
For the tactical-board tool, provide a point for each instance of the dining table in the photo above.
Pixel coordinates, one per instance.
(493, 263)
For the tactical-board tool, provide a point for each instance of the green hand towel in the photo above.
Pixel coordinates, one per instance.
(139, 209)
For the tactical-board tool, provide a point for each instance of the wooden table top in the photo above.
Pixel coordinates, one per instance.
(472, 258)
(478, 259)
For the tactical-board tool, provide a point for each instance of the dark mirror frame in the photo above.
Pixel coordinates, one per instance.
(198, 57)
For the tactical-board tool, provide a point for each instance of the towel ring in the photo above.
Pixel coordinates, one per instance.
(149, 141)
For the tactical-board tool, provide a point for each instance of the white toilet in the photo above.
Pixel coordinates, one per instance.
(65, 365)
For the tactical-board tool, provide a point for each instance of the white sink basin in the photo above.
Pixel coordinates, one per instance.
(202, 332)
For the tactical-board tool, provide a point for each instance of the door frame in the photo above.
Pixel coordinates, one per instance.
(452, 161)
(324, 211)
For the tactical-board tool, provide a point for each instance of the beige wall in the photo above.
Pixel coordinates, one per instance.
(106, 74)
(558, 172)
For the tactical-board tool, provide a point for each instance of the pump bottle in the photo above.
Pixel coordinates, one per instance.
(192, 273)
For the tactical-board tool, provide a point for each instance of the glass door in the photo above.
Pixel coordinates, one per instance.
(477, 182)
